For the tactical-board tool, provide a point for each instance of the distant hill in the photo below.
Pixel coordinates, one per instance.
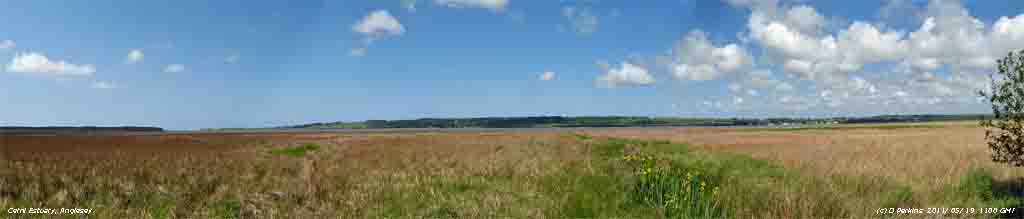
(518, 122)
(619, 121)
(915, 118)
(64, 129)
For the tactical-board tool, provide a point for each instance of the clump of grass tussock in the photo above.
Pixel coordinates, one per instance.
(978, 189)
(297, 151)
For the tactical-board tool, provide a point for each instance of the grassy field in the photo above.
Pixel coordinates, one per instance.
(845, 127)
(593, 173)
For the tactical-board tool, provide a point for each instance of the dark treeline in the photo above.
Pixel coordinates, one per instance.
(490, 122)
(542, 122)
(79, 129)
(914, 118)
(620, 121)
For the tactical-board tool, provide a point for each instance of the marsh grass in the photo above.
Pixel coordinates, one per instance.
(669, 180)
(978, 189)
(563, 177)
(674, 191)
(297, 151)
(469, 176)
(226, 209)
(845, 127)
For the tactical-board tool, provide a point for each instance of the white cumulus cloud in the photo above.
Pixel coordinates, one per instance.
(764, 79)
(805, 18)
(496, 5)
(581, 19)
(1008, 32)
(103, 85)
(39, 63)
(696, 58)
(174, 68)
(798, 43)
(867, 66)
(357, 52)
(626, 74)
(135, 56)
(7, 44)
(546, 76)
(864, 43)
(379, 23)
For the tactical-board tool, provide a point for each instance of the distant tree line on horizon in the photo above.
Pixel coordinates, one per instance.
(619, 121)
(79, 129)
(539, 122)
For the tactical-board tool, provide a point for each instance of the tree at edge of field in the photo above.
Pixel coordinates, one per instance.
(1004, 131)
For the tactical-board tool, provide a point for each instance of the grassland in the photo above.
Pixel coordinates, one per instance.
(844, 127)
(594, 173)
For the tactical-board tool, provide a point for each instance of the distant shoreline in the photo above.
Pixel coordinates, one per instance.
(498, 123)
(75, 129)
(619, 121)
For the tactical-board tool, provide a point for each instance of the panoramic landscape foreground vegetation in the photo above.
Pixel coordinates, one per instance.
(512, 109)
(692, 172)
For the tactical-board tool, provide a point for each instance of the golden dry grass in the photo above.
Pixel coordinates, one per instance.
(831, 172)
(203, 175)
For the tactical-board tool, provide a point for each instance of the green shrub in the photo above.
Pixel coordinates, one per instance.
(591, 196)
(977, 183)
(298, 151)
(978, 188)
(678, 193)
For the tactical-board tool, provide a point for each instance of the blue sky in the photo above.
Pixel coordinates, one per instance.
(196, 64)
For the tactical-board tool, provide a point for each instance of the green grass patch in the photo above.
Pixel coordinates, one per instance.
(161, 211)
(226, 209)
(626, 178)
(978, 188)
(661, 179)
(582, 137)
(898, 197)
(578, 194)
(446, 197)
(297, 151)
